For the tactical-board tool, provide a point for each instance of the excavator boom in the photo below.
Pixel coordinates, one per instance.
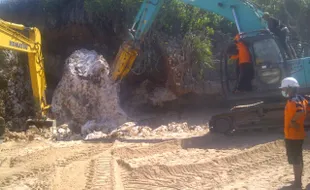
(244, 14)
(14, 40)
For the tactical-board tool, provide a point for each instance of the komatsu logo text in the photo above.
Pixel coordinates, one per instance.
(18, 45)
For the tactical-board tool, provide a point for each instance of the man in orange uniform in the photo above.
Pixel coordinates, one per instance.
(245, 67)
(294, 117)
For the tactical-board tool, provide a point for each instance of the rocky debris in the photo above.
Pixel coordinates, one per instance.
(61, 132)
(127, 130)
(149, 93)
(86, 95)
(96, 135)
(131, 129)
(94, 125)
(33, 133)
(160, 95)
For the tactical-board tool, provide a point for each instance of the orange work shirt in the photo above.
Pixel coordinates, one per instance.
(293, 105)
(244, 53)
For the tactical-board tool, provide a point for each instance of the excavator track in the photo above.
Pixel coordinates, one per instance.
(254, 116)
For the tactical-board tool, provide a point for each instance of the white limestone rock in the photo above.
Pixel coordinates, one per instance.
(86, 95)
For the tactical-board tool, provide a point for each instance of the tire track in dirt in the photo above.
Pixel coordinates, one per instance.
(27, 165)
(274, 176)
(30, 179)
(150, 149)
(69, 169)
(83, 154)
(103, 172)
(207, 175)
(99, 172)
(116, 175)
(38, 164)
(8, 155)
(148, 166)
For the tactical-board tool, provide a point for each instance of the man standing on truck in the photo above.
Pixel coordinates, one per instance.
(245, 70)
(280, 30)
(294, 133)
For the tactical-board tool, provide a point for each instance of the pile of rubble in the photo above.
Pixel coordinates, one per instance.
(33, 133)
(127, 130)
(130, 129)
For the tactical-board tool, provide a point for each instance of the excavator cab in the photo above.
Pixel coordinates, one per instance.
(268, 63)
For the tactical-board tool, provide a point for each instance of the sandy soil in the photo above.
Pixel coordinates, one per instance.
(184, 161)
(252, 161)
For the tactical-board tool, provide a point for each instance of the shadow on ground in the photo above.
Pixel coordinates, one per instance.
(192, 117)
(210, 140)
(289, 187)
(239, 140)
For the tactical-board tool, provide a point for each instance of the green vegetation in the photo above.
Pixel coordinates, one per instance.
(295, 14)
(176, 18)
(197, 27)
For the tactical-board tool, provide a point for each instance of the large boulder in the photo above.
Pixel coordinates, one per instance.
(86, 96)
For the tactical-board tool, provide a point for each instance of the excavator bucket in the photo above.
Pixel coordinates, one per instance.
(124, 60)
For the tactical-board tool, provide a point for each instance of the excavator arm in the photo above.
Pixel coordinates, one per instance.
(245, 15)
(14, 40)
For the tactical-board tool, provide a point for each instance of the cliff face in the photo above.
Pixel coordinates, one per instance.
(16, 102)
(64, 29)
(67, 26)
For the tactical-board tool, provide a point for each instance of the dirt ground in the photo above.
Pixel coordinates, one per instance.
(188, 161)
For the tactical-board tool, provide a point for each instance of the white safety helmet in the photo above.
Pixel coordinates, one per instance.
(289, 82)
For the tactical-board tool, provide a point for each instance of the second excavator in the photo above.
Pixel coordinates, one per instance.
(12, 38)
(261, 107)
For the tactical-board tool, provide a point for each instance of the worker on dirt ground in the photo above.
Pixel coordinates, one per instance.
(245, 70)
(294, 133)
(280, 30)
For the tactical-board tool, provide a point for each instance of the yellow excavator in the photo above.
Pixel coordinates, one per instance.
(11, 38)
